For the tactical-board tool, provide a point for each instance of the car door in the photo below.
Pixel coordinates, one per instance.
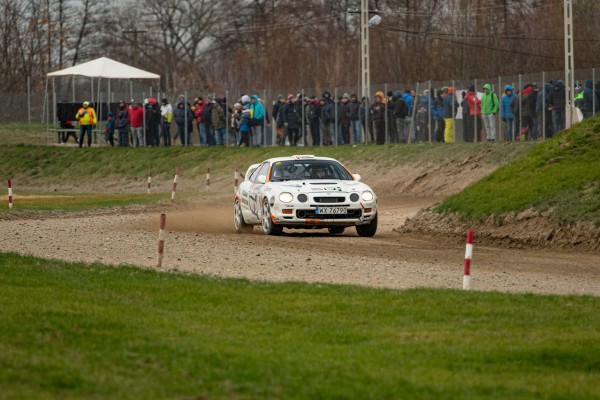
(257, 182)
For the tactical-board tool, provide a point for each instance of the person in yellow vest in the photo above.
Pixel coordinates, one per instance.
(87, 119)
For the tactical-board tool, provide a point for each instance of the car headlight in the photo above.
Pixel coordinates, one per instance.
(367, 196)
(286, 197)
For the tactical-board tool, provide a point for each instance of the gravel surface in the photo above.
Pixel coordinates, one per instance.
(201, 240)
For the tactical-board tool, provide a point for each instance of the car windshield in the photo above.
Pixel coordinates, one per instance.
(308, 169)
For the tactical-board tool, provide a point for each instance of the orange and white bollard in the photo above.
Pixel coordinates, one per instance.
(468, 257)
(149, 185)
(9, 194)
(174, 184)
(208, 177)
(161, 240)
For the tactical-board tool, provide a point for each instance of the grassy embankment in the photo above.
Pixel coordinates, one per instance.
(34, 167)
(88, 331)
(561, 174)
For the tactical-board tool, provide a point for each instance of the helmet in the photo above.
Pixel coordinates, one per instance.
(86, 103)
(319, 171)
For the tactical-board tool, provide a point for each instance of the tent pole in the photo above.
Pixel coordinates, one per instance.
(54, 109)
(98, 116)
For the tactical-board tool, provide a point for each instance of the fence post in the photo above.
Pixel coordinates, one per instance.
(454, 97)
(29, 100)
(593, 92)
(10, 195)
(544, 108)
(520, 111)
(174, 184)
(475, 119)
(335, 117)
(385, 107)
(429, 104)
(500, 134)
(227, 117)
(264, 126)
(185, 120)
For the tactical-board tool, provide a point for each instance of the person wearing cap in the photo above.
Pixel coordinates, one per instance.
(87, 119)
(207, 134)
(314, 116)
(590, 100)
(474, 121)
(153, 120)
(353, 108)
(219, 122)
(292, 120)
(166, 113)
(277, 118)
(489, 107)
(449, 107)
(344, 119)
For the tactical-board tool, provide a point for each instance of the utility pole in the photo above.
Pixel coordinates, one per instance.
(365, 74)
(135, 33)
(569, 63)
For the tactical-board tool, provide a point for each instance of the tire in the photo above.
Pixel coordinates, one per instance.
(367, 230)
(336, 230)
(239, 223)
(269, 228)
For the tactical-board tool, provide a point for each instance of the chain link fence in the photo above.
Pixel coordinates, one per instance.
(423, 120)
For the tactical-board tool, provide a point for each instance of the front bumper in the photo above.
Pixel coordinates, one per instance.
(305, 215)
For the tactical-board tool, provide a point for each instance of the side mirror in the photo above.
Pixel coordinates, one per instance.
(357, 177)
(261, 179)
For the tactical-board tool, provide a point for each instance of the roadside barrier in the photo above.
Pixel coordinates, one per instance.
(208, 177)
(9, 194)
(235, 178)
(149, 183)
(161, 240)
(468, 257)
(174, 184)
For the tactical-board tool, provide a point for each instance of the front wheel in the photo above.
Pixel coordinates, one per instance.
(269, 228)
(367, 230)
(238, 219)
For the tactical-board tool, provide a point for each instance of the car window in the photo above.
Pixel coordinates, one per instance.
(309, 169)
(260, 171)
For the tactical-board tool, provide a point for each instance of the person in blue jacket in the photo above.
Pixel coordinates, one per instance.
(507, 116)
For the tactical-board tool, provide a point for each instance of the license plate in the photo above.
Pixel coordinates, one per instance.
(332, 210)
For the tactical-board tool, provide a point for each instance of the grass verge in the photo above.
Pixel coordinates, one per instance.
(29, 166)
(86, 202)
(89, 331)
(562, 174)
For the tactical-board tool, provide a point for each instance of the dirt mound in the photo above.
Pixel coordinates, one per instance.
(529, 229)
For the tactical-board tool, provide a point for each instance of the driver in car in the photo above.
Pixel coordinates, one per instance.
(319, 172)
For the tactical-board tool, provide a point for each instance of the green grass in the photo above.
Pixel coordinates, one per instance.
(42, 165)
(562, 174)
(86, 202)
(88, 331)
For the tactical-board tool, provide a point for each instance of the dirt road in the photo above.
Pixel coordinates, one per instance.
(201, 240)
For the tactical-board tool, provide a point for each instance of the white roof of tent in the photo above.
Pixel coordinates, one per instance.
(104, 67)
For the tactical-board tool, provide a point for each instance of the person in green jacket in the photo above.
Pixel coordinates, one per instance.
(489, 108)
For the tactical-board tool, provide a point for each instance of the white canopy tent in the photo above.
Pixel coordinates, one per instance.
(100, 68)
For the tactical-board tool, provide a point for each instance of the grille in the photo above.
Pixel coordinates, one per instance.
(329, 200)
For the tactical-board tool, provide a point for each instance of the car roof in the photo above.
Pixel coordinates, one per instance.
(300, 157)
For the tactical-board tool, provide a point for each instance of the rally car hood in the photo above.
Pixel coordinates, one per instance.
(322, 186)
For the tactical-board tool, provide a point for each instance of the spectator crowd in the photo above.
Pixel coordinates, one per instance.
(393, 117)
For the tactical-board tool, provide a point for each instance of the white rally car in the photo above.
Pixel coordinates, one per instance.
(304, 192)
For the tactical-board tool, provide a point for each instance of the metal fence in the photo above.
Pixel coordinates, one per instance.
(40, 107)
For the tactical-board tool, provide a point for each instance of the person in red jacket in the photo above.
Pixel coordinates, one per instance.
(136, 123)
(475, 122)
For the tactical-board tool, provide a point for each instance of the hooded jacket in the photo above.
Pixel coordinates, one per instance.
(474, 103)
(588, 98)
(179, 114)
(556, 98)
(257, 110)
(447, 104)
(505, 112)
(489, 101)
